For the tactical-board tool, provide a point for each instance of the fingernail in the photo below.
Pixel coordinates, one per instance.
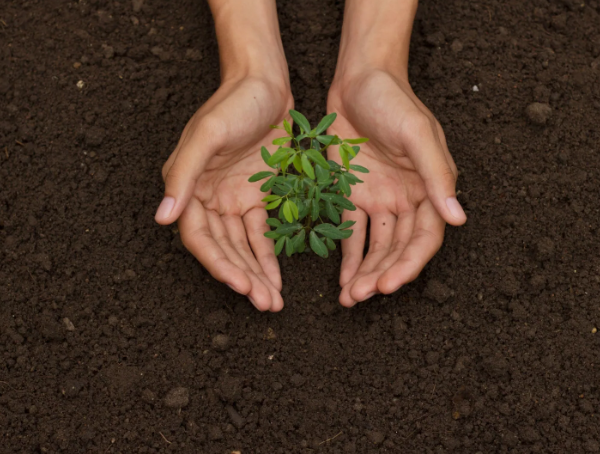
(233, 288)
(165, 208)
(370, 295)
(252, 301)
(455, 208)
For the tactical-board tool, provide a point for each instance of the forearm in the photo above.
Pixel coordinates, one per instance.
(249, 39)
(377, 34)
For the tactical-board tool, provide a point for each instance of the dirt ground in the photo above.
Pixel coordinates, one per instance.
(114, 340)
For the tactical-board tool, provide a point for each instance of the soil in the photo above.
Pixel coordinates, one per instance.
(114, 340)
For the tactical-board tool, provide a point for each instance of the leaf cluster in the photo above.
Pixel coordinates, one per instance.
(309, 191)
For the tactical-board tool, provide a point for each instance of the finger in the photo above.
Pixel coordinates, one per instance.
(239, 240)
(189, 163)
(196, 237)
(381, 234)
(259, 294)
(263, 247)
(366, 285)
(353, 247)
(449, 157)
(426, 240)
(426, 152)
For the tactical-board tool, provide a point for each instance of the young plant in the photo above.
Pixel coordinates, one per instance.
(310, 191)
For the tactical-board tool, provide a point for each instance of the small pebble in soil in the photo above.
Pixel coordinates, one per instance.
(594, 330)
(456, 46)
(297, 380)
(177, 398)
(236, 419)
(475, 88)
(437, 291)
(375, 437)
(68, 324)
(229, 388)
(148, 396)
(220, 342)
(538, 113)
(215, 433)
(80, 84)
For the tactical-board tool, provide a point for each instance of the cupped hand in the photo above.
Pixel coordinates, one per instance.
(220, 214)
(409, 194)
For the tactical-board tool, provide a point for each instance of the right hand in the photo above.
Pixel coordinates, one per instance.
(220, 214)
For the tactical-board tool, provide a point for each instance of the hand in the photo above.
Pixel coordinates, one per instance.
(221, 216)
(409, 192)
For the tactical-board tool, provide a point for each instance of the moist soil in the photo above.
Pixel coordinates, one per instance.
(113, 339)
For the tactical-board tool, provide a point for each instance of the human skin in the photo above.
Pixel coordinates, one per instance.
(409, 194)
(220, 214)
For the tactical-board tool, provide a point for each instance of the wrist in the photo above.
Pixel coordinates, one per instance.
(249, 41)
(375, 36)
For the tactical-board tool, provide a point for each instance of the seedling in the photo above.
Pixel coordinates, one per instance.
(310, 191)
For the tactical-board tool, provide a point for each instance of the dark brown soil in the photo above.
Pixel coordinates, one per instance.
(491, 350)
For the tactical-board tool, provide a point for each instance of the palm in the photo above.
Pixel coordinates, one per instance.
(224, 186)
(405, 228)
(222, 218)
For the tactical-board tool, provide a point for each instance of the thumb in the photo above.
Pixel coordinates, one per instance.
(427, 154)
(179, 183)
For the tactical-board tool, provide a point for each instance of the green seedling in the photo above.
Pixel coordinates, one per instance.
(310, 192)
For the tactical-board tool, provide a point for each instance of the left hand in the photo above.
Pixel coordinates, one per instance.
(409, 193)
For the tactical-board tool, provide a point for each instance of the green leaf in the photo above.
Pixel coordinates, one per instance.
(325, 123)
(315, 210)
(284, 164)
(330, 244)
(348, 149)
(300, 120)
(298, 163)
(279, 245)
(289, 247)
(356, 141)
(294, 209)
(265, 155)
(332, 212)
(287, 212)
(298, 240)
(359, 168)
(288, 127)
(322, 174)
(267, 185)
(344, 186)
(330, 231)
(334, 165)
(308, 168)
(356, 149)
(273, 222)
(317, 158)
(274, 204)
(285, 229)
(270, 198)
(272, 234)
(328, 140)
(344, 203)
(282, 140)
(260, 176)
(278, 156)
(344, 156)
(300, 137)
(352, 179)
(345, 225)
(317, 245)
(318, 194)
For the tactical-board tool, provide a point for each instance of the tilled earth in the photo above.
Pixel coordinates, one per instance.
(114, 340)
